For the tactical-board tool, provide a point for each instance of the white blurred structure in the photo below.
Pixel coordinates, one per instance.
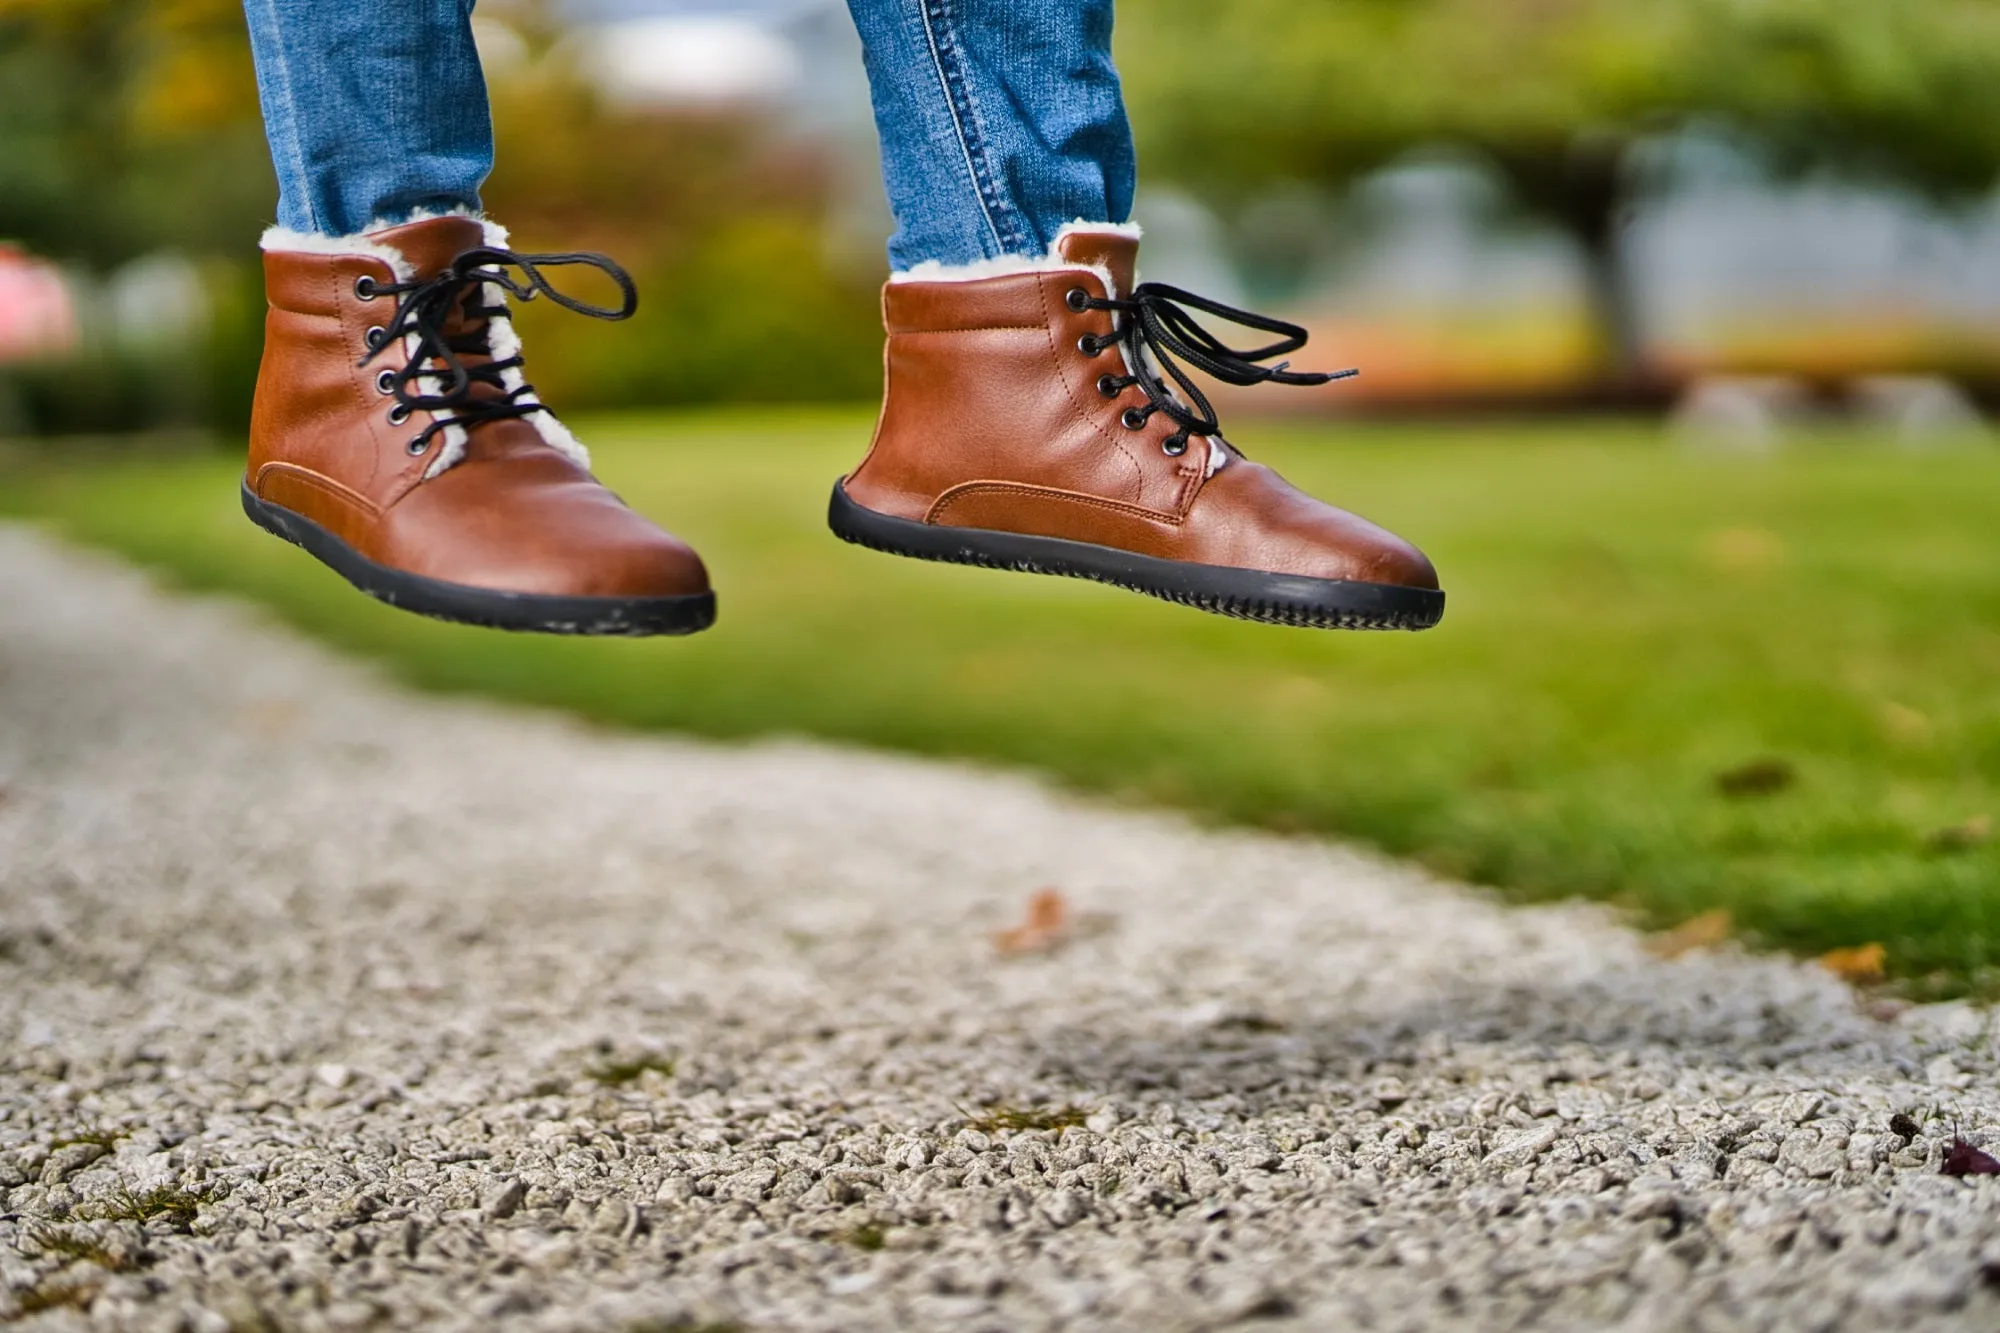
(1921, 410)
(156, 302)
(689, 59)
(1746, 414)
(1714, 252)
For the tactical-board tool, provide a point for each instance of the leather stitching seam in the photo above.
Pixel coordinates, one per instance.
(975, 328)
(1082, 415)
(318, 481)
(352, 336)
(969, 488)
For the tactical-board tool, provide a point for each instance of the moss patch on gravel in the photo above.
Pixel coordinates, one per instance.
(172, 1203)
(993, 1119)
(55, 1294)
(1670, 680)
(617, 1073)
(69, 1243)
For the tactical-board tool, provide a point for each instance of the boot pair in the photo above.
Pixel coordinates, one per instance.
(1040, 418)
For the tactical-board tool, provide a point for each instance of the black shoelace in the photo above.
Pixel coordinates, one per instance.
(424, 308)
(1155, 319)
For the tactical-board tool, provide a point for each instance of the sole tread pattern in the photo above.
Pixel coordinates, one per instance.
(1263, 610)
(457, 604)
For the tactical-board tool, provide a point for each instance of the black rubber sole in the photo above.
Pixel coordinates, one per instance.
(630, 617)
(1246, 594)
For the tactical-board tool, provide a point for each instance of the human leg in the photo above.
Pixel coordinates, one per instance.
(1000, 121)
(375, 109)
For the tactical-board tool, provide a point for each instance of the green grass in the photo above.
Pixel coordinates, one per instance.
(69, 1243)
(997, 1119)
(617, 1073)
(868, 1236)
(1671, 680)
(172, 1202)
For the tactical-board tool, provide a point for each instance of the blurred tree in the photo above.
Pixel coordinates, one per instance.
(127, 126)
(719, 215)
(1229, 100)
(130, 126)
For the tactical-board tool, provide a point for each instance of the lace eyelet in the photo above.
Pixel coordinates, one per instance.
(1089, 345)
(398, 414)
(1133, 418)
(385, 383)
(417, 445)
(1077, 299)
(1173, 446)
(1109, 386)
(364, 288)
(375, 337)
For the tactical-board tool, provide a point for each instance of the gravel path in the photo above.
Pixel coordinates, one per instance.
(323, 1006)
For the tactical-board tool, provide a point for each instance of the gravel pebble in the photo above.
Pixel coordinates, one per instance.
(326, 1007)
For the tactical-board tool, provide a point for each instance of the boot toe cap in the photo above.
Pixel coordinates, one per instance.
(567, 537)
(643, 563)
(1266, 523)
(1392, 560)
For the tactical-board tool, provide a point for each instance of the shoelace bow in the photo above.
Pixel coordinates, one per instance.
(425, 307)
(1155, 319)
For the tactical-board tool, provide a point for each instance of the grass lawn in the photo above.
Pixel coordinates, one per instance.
(1674, 681)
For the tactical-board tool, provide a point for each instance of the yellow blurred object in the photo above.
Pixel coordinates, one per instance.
(190, 69)
(1743, 551)
(1697, 932)
(200, 81)
(1974, 832)
(1858, 965)
(1905, 725)
(1046, 926)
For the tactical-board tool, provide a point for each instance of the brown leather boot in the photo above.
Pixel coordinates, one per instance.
(1027, 425)
(394, 438)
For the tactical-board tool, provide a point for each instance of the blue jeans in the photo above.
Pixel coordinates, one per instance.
(1000, 120)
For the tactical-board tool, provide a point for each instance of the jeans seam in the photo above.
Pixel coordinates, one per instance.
(291, 116)
(965, 120)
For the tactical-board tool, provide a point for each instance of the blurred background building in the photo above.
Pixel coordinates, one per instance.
(1737, 210)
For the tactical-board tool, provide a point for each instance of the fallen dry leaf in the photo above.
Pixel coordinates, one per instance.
(1743, 550)
(1046, 926)
(1974, 832)
(1886, 1008)
(1759, 777)
(1857, 965)
(1965, 1160)
(270, 717)
(1697, 932)
(1904, 724)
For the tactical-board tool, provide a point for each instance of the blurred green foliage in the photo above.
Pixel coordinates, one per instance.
(1670, 679)
(718, 216)
(1554, 94)
(130, 126)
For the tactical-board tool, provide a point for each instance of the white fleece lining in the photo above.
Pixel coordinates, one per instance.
(502, 339)
(284, 241)
(1004, 266)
